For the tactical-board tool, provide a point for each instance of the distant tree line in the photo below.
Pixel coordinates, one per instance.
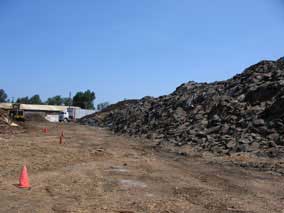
(85, 100)
(3, 96)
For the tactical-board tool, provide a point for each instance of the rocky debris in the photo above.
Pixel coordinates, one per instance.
(6, 125)
(242, 114)
(103, 114)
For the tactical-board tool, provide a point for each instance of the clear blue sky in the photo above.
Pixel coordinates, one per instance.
(132, 48)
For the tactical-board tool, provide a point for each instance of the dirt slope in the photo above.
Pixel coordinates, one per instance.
(96, 171)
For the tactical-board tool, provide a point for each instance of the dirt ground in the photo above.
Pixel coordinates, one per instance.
(96, 171)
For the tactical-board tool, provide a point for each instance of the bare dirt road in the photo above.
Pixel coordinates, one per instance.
(96, 171)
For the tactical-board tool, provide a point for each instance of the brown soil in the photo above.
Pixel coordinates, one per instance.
(96, 171)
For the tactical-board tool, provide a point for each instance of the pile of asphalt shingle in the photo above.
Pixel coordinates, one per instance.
(242, 114)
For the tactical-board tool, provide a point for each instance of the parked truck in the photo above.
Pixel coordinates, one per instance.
(72, 114)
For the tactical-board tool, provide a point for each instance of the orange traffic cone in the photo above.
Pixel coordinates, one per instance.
(24, 179)
(61, 138)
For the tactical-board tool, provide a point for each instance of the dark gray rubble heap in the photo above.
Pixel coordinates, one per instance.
(242, 114)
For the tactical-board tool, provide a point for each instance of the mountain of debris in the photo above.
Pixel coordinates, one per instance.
(104, 112)
(242, 114)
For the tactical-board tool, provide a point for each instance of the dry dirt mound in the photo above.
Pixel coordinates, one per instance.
(242, 114)
(6, 125)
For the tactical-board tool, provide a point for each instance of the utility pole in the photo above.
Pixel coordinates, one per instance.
(69, 99)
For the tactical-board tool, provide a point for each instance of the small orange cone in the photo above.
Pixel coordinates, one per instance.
(24, 179)
(61, 138)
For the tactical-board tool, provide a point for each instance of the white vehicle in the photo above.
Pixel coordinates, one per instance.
(64, 116)
(71, 114)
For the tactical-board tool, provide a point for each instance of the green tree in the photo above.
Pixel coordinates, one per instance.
(23, 100)
(3, 95)
(35, 100)
(32, 100)
(67, 101)
(56, 100)
(84, 99)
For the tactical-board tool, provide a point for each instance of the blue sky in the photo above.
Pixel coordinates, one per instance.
(132, 48)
